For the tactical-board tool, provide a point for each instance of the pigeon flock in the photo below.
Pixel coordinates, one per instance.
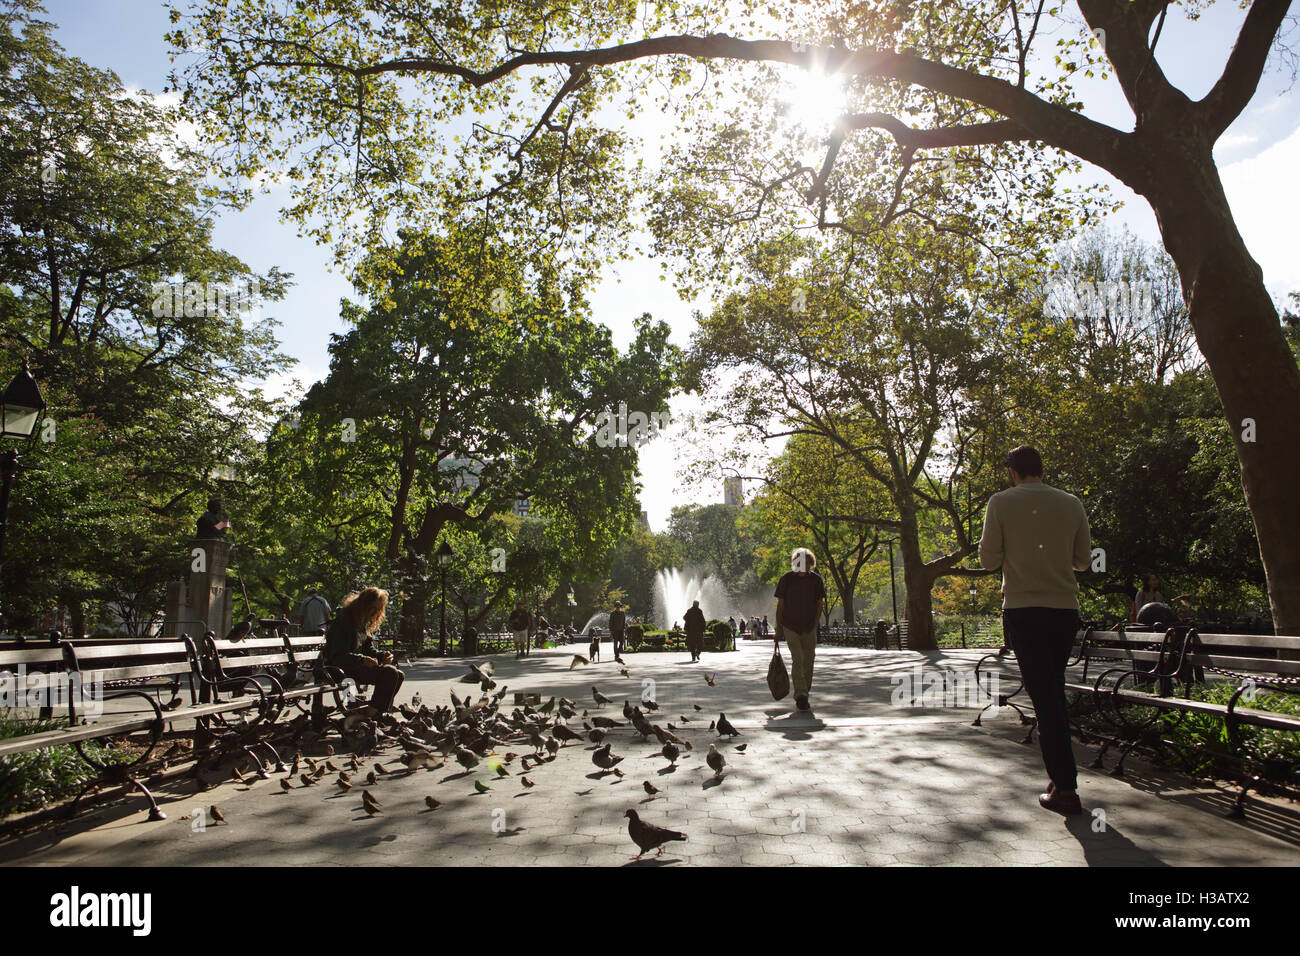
(511, 742)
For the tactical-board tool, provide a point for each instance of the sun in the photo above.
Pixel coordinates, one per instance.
(815, 98)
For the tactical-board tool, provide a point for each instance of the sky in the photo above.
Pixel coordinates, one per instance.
(1258, 157)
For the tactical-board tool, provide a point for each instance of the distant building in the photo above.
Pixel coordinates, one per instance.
(645, 520)
(733, 491)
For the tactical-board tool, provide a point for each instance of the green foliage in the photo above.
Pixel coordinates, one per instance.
(37, 778)
(101, 206)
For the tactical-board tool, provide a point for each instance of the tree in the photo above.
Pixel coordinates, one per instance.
(636, 559)
(816, 494)
(713, 537)
(103, 214)
(967, 73)
(895, 359)
(445, 407)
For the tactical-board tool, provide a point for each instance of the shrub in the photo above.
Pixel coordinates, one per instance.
(31, 780)
(635, 635)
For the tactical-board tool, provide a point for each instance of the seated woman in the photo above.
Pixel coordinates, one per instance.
(348, 646)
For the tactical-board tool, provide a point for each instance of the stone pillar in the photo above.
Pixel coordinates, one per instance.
(210, 599)
(177, 611)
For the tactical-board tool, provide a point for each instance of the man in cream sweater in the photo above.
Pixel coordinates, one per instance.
(1038, 535)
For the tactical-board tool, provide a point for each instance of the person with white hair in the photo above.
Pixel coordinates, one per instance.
(800, 598)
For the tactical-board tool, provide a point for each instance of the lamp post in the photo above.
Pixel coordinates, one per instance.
(893, 590)
(20, 411)
(573, 602)
(444, 559)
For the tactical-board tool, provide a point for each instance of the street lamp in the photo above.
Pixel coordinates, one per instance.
(444, 558)
(893, 590)
(20, 411)
(573, 602)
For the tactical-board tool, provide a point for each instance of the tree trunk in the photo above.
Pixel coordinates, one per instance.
(1254, 370)
(917, 581)
(411, 630)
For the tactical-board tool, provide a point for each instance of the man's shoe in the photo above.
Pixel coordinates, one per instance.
(801, 702)
(1061, 802)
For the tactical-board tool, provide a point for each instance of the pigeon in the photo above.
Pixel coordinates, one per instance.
(547, 707)
(647, 836)
(671, 752)
(627, 710)
(605, 722)
(741, 749)
(578, 659)
(596, 736)
(697, 707)
(650, 788)
(599, 698)
(466, 758)
(605, 759)
(431, 803)
(711, 679)
(242, 629)
(216, 814)
(650, 704)
(715, 760)
(725, 728)
(564, 734)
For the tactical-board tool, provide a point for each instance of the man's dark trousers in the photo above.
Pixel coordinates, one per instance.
(1042, 638)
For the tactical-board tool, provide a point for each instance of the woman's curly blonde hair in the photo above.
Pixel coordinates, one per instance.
(366, 608)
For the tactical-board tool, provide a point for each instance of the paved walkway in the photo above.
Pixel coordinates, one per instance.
(861, 781)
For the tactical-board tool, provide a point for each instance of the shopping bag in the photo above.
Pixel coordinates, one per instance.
(778, 678)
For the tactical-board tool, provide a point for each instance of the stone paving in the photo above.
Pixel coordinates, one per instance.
(860, 781)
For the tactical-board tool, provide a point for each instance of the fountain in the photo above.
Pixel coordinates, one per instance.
(600, 619)
(675, 589)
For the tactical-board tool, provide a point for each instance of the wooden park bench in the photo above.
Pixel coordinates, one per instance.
(229, 682)
(1128, 669)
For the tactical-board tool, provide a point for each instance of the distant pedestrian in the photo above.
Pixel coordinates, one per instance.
(1039, 536)
(521, 622)
(767, 628)
(618, 629)
(695, 623)
(1150, 594)
(800, 598)
(314, 613)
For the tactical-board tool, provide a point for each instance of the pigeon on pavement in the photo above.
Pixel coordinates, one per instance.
(647, 836)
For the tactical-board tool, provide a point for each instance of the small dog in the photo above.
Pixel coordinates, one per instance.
(593, 652)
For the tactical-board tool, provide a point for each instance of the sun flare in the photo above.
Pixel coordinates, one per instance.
(815, 98)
